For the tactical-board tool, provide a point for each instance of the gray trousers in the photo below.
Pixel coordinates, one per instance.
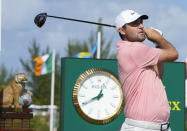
(126, 127)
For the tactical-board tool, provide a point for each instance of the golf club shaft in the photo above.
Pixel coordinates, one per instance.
(82, 21)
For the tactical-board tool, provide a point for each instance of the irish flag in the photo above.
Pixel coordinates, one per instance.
(43, 64)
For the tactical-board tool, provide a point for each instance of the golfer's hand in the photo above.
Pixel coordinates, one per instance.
(152, 35)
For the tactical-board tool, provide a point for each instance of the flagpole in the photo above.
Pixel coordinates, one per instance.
(52, 91)
(98, 45)
(0, 22)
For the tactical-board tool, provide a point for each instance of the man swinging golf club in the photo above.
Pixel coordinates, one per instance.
(140, 69)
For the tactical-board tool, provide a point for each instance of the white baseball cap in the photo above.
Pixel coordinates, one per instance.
(127, 16)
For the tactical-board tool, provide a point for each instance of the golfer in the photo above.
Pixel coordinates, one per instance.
(140, 69)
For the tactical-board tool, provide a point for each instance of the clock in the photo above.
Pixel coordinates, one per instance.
(97, 96)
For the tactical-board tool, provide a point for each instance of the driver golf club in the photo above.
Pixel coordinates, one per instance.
(41, 18)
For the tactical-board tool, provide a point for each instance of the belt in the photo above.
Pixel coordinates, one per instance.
(147, 125)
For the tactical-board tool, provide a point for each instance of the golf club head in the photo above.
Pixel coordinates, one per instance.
(40, 19)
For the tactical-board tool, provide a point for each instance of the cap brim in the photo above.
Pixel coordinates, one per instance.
(144, 17)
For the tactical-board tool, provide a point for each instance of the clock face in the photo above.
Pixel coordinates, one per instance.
(97, 96)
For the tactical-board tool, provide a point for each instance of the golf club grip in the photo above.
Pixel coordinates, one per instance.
(83, 21)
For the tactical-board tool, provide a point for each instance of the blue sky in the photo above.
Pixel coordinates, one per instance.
(19, 30)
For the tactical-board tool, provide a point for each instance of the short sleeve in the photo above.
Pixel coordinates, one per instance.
(144, 55)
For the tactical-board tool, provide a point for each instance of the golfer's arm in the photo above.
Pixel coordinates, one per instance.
(168, 54)
(168, 51)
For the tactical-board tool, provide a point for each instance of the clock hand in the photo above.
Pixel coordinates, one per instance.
(100, 92)
(98, 97)
(89, 101)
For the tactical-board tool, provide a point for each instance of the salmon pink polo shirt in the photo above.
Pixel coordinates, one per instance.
(144, 94)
